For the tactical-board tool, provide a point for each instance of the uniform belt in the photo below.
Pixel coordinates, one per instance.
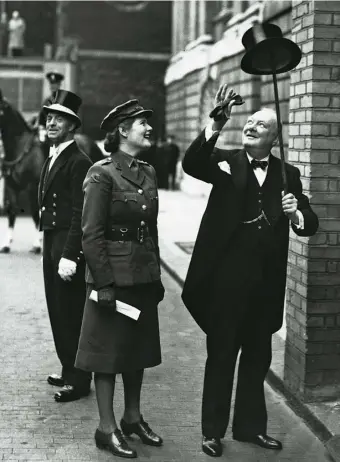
(121, 233)
(260, 217)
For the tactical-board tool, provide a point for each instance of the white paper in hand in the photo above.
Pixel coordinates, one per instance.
(121, 307)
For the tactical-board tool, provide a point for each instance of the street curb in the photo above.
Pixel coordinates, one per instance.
(331, 442)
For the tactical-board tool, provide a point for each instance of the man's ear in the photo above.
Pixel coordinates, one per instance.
(276, 140)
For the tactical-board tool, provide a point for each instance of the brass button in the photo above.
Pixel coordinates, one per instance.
(43, 209)
(54, 214)
(53, 223)
(259, 226)
(142, 223)
(144, 207)
(54, 205)
(140, 191)
(54, 195)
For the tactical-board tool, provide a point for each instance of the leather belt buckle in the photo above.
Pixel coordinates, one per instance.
(123, 231)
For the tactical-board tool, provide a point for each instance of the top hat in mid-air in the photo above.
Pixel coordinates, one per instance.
(267, 51)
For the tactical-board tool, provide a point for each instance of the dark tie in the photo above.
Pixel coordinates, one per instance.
(259, 164)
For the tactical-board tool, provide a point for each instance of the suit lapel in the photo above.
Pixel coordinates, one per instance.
(239, 170)
(273, 184)
(43, 178)
(59, 162)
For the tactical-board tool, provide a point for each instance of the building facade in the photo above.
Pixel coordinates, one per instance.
(207, 51)
(123, 49)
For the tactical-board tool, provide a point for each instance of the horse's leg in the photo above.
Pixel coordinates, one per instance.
(33, 198)
(10, 208)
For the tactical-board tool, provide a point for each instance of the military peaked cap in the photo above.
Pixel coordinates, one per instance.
(122, 112)
(54, 77)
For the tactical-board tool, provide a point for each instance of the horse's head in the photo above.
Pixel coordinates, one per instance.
(11, 121)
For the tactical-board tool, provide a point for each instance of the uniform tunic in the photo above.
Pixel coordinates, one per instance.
(121, 193)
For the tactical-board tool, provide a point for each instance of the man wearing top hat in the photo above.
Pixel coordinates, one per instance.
(61, 202)
(235, 285)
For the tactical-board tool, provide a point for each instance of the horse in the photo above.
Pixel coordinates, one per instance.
(21, 165)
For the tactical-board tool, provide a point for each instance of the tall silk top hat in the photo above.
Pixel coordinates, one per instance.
(66, 103)
(268, 51)
(122, 112)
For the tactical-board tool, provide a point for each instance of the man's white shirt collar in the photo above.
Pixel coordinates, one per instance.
(56, 150)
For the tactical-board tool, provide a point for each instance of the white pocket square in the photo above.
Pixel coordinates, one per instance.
(224, 166)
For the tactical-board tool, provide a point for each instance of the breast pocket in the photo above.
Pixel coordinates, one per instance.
(124, 197)
(123, 203)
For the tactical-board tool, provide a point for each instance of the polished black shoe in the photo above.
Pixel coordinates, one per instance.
(70, 393)
(212, 446)
(262, 440)
(143, 430)
(56, 380)
(115, 443)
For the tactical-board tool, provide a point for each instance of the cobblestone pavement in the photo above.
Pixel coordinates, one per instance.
(33, 427)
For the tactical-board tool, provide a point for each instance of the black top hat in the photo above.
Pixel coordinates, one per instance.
(122, 112)
(54, 77)
(268, 51)
(65, 102)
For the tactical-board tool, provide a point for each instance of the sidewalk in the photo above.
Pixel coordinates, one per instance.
(178, 222)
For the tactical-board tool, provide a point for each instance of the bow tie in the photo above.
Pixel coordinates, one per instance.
(54, 151)
(259, 164)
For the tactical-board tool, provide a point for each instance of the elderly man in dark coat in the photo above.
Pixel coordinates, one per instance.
(235, 285)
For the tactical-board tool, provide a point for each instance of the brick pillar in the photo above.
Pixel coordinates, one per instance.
(312, 356)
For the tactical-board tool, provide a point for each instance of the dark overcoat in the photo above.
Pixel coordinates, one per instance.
(222, 218)
(61, 202)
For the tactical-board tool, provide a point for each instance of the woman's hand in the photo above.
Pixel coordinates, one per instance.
(107, 297)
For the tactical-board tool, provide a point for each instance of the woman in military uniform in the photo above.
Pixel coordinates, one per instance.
(120, 244)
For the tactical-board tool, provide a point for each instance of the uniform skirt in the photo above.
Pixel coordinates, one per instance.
(113, 343)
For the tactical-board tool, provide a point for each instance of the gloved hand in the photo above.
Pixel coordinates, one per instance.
(66, 269)
(224, 101)
(107, 297)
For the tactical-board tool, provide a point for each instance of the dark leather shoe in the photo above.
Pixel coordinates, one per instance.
(212, 446)
(262, 440)
(70, 393)
(56, 380)
(115, 443)
(143, 430)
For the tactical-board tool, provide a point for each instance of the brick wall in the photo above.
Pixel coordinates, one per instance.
(257, 91)
(312, 357)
